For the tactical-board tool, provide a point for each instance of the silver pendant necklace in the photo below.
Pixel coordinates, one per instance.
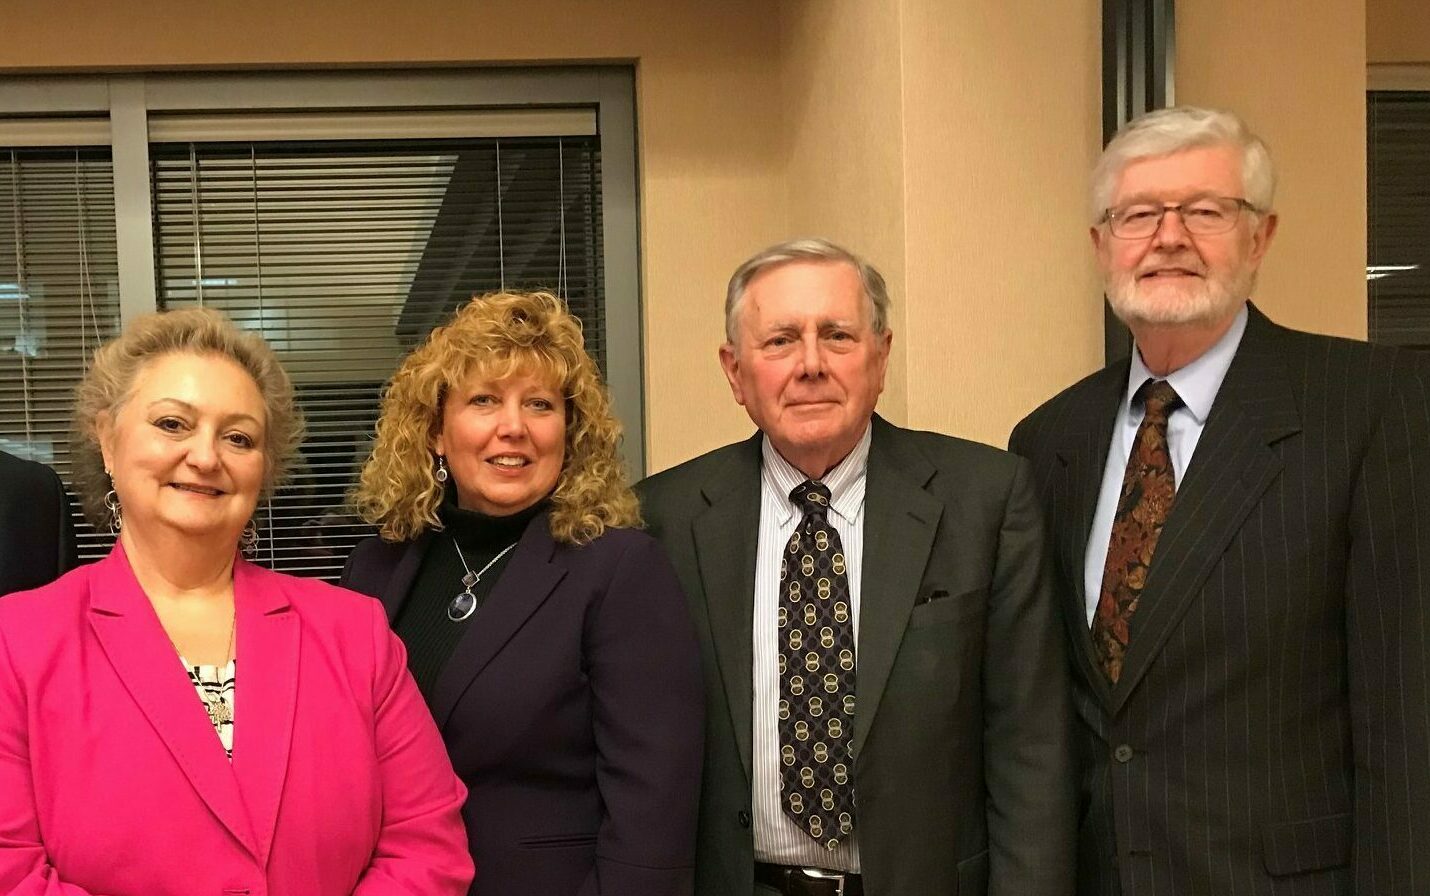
(465, 604)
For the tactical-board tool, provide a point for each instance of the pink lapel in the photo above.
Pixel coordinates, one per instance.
(144, 660)
(266, 645)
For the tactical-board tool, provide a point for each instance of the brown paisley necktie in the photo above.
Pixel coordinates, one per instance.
(1148, 489)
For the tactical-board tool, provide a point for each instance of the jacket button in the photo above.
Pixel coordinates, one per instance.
(1123, 753)
(744, 818)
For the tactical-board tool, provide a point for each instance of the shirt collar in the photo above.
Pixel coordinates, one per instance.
(846, 481)
(1198, 382)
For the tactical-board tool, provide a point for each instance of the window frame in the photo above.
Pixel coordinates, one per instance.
(127, 101)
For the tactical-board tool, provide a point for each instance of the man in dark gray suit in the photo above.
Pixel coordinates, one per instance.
(36, 535)
(1241, 515)
(886, 694)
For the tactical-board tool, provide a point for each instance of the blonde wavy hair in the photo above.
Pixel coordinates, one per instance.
(497, 335)
(197, 331)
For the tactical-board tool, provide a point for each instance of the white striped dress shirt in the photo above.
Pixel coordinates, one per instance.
(777, 839)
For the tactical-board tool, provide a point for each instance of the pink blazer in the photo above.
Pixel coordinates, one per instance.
(112, 780)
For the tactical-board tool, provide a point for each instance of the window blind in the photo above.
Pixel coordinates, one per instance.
(1398, 217)
(344, 254)
(59, 297)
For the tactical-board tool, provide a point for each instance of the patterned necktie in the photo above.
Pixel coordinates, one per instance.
(816, 663)
(1148, 489)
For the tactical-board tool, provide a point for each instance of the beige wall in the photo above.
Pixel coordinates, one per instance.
(1297, 73)
(1002, 124)
(946, 139)
(841, 74)
(949, 142)
(1397, 31)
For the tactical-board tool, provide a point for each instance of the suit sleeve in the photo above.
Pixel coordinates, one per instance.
(1388, 619)
(25, 868)
(421, 849)
(352, 577)
(1027, 754)
(643, 663)
(67, 551)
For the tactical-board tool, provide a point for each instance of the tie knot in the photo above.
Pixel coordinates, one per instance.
(1159, 399)
(811, 497)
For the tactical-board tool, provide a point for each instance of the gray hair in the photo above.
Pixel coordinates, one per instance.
(1168, 131)
(815, 249)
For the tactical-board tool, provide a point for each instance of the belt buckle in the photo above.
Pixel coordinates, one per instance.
(820, 874)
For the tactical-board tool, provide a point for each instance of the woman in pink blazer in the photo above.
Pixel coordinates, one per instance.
(175, 721)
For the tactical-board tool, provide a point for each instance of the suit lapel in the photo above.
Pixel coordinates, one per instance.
(269, 633)
(900, 519)
(725, 545)
(143, 659)
(524, 586)
(1233, 466)
(1082, 455)
(399, 584)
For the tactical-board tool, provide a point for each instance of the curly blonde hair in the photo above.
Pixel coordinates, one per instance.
(197, 331)
(497, 335)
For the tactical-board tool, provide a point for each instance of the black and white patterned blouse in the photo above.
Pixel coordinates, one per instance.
(215, 687)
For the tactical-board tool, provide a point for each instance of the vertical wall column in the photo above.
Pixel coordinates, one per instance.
(1138, 55)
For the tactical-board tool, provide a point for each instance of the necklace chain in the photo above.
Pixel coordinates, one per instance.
(228, 651)
(217, 708)
(465, 603)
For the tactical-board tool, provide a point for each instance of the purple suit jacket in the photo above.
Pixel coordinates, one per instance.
(573, 710)
(112, 780)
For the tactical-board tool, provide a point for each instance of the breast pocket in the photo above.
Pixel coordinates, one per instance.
(936, 605)
(943, 642)
(557, 841)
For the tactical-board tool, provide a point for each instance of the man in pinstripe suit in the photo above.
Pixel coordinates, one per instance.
(1251, 663)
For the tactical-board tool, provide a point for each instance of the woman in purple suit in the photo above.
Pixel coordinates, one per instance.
(548, 634)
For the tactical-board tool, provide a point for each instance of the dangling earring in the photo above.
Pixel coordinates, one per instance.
(116, 518)
(248, 540)
(441, 468)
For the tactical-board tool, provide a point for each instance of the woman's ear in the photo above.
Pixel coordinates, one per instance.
(104, 435)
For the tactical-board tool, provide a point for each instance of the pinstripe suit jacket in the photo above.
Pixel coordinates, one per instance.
(1270, 733)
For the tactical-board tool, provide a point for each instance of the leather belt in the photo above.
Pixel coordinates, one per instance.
(793, 880)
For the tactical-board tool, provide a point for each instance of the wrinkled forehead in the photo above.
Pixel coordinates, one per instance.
(806, 292)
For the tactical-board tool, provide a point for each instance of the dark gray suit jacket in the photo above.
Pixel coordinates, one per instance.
(1270, 732)
(962, 766)
(37, 542)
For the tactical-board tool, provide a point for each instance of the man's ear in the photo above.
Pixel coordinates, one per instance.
(886, 344)
(1262, 235)
(730, 363)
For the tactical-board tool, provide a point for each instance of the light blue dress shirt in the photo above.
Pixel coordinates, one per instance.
(1197, 384)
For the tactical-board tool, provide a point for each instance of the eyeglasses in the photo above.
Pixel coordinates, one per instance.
(1204, 216)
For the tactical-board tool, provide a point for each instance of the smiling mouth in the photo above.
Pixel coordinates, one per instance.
(508, 462)
(1167, 272)
(196, 489)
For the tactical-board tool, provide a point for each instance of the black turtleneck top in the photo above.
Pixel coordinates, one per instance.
(422, 623)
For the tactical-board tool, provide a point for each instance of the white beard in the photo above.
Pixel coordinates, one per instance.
(1148, 302)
